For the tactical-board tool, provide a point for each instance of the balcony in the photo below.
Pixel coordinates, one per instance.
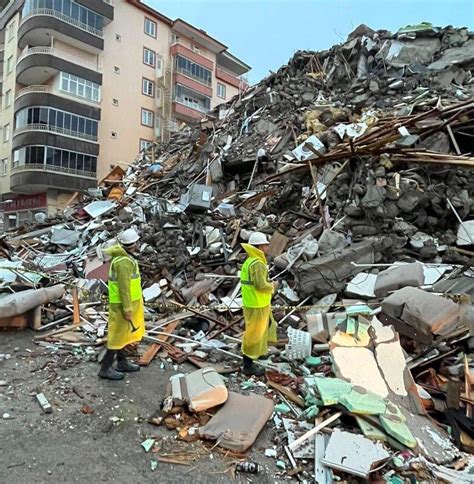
(228, 77)
(36, 178)
(41, 89)
(189, 104)
(189, 74)
(39, 25)
(38, 64)
(55, 130)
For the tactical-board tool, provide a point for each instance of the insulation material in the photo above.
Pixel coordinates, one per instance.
(237, 424)
(391, 361)
(201, 389)
(22, 302)
(348, 363)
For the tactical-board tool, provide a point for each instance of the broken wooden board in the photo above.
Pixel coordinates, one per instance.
(288, 393)
(278, 244)
(153, 349)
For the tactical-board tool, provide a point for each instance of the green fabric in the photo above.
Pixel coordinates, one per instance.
(257, 290)
(120, 331)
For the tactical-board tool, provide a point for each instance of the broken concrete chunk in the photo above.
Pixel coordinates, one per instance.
(325, 275)
(237, 424)
(353, 453)
(397, 277)
(426, 312)
(455, 56)
(201, 389)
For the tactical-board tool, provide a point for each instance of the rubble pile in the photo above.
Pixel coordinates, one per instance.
(357, 162)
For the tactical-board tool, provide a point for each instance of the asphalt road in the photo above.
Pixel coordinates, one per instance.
(71, 446)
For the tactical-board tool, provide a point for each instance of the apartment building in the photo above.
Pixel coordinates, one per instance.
(86, 84)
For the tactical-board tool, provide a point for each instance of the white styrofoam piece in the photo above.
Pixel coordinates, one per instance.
(362, 284)
(353, 453)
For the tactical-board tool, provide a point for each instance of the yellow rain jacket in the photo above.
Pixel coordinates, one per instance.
(257, 291)
(125, 294)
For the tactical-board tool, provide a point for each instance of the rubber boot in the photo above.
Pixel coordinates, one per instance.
(106, 370)
(251, 369)
(124, 365)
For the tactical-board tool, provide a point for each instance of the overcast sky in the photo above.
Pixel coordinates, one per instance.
(266, 33)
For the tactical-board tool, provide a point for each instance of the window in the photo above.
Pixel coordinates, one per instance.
(147, 117)
(59, 158)
(118, 37)
(79, 87)
(4, 167)
(6, 133)
(58, 121)
(191, 69)
(174, 39)
(149, 57)
(117, 70)
(115, 102)
(148, 87)
(83, 17)
(221, 90)
(150, 27)
(145, 144)
(9, 64)
(8, 98)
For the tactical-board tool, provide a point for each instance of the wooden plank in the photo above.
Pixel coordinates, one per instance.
(76, 319)
(288, 393)
(278, 244)
(153, 349)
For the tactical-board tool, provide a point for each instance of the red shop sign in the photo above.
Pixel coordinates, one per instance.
(26, 202)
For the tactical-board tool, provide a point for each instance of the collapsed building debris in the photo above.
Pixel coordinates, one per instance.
(357, 161)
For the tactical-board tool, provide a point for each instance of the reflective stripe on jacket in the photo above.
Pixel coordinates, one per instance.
(135, 280)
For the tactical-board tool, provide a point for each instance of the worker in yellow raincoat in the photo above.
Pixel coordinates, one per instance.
(257, 291)
(126, 309)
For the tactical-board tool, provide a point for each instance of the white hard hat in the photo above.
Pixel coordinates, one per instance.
(128, 237)
(258, 238)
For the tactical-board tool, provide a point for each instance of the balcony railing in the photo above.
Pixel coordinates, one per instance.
(53, 169)
(187, 73)
(58, 53)
(55, 129)
(65, 18)
(56, 92)
(191, 105)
